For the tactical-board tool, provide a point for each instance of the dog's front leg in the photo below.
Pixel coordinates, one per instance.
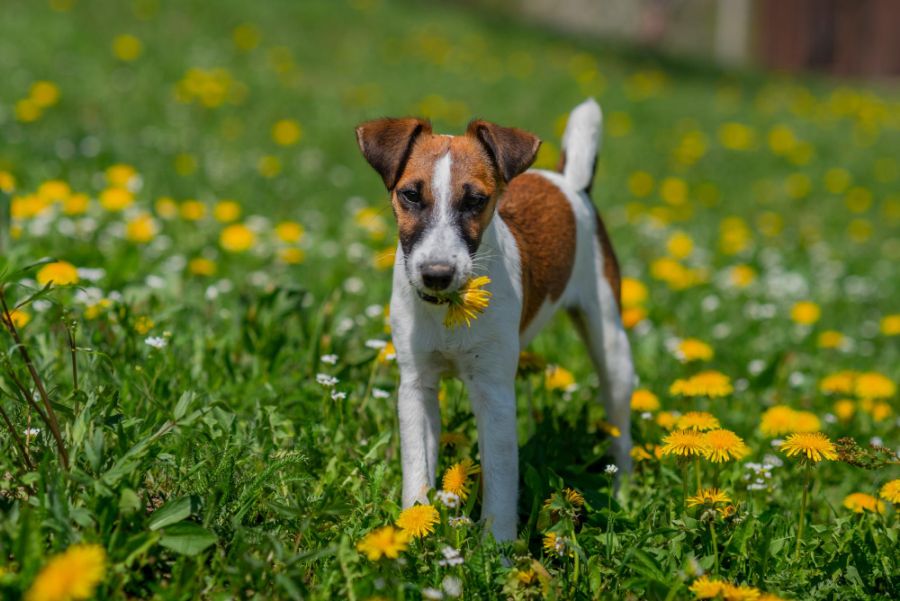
(494, 405)
(420, 430)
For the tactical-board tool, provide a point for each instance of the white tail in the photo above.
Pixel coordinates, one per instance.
(581, 142)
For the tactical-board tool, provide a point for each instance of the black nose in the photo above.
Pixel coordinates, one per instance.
(438, 276)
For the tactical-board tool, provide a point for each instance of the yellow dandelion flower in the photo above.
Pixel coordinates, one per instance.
(691, 349)
(890, 325)
(192, 210)
(639, 453)
(558, 378)
(830, 339)
(465, 305)
(418, 520)
(686, 443)
(634, 292)
(814, 446)
(202, 266)
(292, 255)
(127, 47)
(666, 419)
(873, 385)
(724, 445)
(44, 94)
(143, 324)
(141, 229)
(116, 199)
(286, 132)
(777, 421)
(770, 597)
(456, 478)
(805, 313)
(680, 245)
(289, 231)
(891, 491)
(644, 400)
(54, 190)
(574, 497)
(838, 383)
(76, 204)
(237, 238)
(61, 273)
(631, 316)
(120, 175)
(227, 211)
(19, 318)
(71, 575)
(697, 420)
(741, 276)
(709, 496)
(166, 207)
(708, 383)
(556, 545)
(844, 409)
(706, 588)
(740, 592)
(385, 259)
(859, 502)
(806, 421)
(383, 542)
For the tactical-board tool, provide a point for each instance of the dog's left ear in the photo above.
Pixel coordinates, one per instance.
(387, 143)
(512, 150)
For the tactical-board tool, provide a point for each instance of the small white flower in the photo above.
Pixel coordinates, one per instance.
(452, 557)
(452, 586)
(91, 274)
(373, 311)
(376, 344)
(380, 394)
(326, 380)
(338, 396)
(329, 359)
(448, 499)
(646, 415)
(157, 342)
(32, 432)
(432, 594)
(462, 520)
(876, 441)
(611, 470)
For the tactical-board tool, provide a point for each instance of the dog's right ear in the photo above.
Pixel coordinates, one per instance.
(387, 143)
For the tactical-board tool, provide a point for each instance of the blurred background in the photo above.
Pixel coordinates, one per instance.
(842, 37)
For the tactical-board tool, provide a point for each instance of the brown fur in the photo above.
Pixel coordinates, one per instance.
(610, 261)
(541, 220)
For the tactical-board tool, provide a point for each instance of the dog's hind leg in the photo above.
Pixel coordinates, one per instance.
(600, 326)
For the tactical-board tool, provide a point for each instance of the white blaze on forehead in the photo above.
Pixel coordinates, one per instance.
(440, 187)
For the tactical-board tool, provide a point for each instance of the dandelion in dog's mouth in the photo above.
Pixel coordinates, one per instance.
(466, 304)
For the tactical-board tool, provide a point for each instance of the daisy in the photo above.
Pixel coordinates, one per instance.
(466, 304)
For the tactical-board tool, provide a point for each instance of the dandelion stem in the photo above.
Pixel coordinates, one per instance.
(697, 470)
(802, 518)
(715, 546)
(370, 383)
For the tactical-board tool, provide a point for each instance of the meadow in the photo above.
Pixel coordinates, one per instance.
(197, 383)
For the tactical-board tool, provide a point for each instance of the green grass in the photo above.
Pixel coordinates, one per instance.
(217, 467)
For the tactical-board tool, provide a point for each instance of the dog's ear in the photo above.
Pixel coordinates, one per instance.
(512, 150)
(387, 143)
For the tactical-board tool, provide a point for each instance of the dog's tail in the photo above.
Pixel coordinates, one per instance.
(580, 144)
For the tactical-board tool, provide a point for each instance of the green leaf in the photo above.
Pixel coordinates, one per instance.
(173, 512)
(187, 538)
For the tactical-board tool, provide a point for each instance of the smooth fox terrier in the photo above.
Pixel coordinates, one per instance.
(465, 207)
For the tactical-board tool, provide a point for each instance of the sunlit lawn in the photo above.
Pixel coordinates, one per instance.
(229, 426)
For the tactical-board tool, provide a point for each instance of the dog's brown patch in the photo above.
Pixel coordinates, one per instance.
(610, 261)
(541, 220)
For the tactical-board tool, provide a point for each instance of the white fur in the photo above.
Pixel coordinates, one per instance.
(581, 142)
(441, 242)
(485, 356)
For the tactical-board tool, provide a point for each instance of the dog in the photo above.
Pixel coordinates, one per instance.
(466, 206)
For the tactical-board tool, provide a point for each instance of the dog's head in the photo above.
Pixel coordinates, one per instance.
(444, 190)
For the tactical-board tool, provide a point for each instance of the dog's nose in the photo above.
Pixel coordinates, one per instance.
(438, 276)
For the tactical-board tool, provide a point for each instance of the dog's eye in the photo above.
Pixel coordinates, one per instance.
(411, 196)
(474, 202)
